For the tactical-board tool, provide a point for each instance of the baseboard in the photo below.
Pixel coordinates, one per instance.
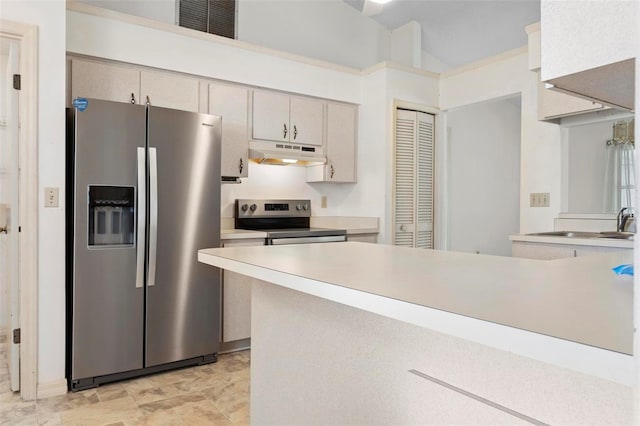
(49, 389)
(234, 346)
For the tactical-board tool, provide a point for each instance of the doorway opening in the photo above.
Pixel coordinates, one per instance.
(19, 188)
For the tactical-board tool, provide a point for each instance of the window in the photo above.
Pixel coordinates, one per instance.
(620, 177)
(210, 16)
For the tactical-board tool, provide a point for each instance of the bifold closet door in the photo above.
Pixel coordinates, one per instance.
(413, 179)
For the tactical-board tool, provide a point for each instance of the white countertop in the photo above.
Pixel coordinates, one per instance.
(578, 300)
(552, 239)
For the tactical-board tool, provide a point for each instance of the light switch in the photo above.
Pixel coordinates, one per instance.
(51, 197)
(539, 199)
(323, 202)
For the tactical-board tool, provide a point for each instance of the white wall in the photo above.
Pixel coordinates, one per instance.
(540, 149)
(585, 162)
(330, 30)
(406, 45)
(284, 182)
(433, 64)
(205, 55)
(484, 176)
(50, 17)
(158, 10)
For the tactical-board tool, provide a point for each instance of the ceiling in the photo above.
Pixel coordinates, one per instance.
(458, 32)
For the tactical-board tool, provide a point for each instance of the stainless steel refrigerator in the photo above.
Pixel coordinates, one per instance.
(143, 196)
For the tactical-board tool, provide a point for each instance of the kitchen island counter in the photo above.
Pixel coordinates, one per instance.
(568, 314)
(576, 299)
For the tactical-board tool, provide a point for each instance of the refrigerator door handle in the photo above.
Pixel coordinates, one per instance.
(142, 204)
(153, 215)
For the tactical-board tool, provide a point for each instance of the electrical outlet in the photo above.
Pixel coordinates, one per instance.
(51, 197)
(323, 202)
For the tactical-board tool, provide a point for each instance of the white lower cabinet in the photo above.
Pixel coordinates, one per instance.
(236, 298)
(550, 251)
(363, 238)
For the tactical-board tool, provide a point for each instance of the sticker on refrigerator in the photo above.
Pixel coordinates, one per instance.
(80, 104)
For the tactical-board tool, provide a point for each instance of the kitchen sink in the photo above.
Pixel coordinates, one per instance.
(617, 235)
(570, 234)
(580, 234)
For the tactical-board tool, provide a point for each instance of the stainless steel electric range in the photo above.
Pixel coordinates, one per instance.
(284, 221)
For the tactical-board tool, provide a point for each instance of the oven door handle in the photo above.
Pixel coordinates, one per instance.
(306, 240)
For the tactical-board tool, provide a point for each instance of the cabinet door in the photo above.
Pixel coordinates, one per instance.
(104, 81)
(542, 251)
(236, 299)
(231, 103)
(306, 121)
(236, 306)
(341, 143)
(363, 238)
(271, 116)
(169, 90)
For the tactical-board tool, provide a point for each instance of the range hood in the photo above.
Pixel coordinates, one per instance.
(285, 154)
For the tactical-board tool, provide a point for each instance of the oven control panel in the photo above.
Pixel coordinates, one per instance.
(246, 208)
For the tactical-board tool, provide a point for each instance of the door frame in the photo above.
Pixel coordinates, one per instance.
(27, 36)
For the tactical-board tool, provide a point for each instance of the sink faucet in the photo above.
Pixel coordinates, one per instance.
(621, 219)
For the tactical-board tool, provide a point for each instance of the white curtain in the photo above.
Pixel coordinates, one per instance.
(620, 176)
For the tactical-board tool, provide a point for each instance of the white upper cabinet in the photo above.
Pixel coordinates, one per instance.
(169, 90)
(119, 83)
(553, 104)
(231, 103)
(270, 116)
(306, 121)
(104, 81)
(588, 48)
(285, 118)
(341, 140)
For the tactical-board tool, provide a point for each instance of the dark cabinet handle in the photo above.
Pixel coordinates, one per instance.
(332, 172)
(295, 132)
(241, 165)
(133, 98)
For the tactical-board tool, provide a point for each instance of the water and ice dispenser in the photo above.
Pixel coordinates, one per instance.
(111, 215)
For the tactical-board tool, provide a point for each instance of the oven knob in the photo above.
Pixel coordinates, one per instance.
(298, 207)
(253, 207)
(305, 206)
(244, 207)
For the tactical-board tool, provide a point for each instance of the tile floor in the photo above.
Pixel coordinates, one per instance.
(214, 394)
